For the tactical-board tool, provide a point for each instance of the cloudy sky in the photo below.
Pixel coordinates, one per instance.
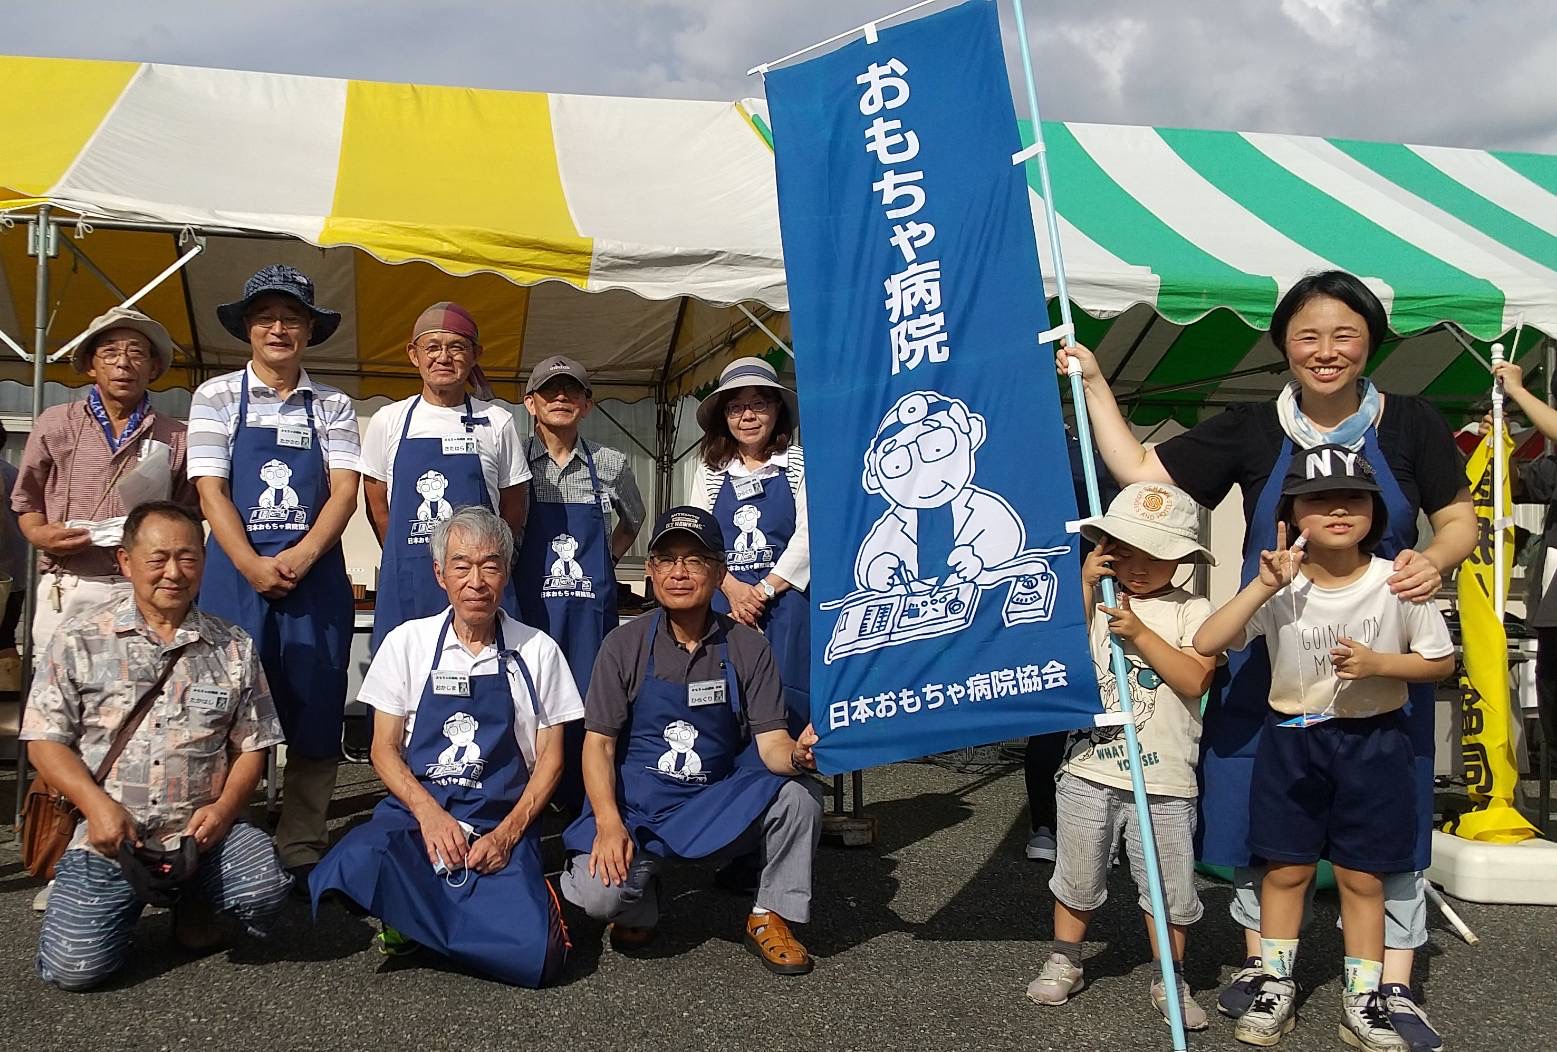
(1440, 72)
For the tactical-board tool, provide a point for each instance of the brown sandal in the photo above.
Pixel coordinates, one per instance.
(769, 937)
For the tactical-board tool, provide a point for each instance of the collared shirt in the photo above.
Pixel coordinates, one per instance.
(213, 420)
(569, 483)
(215, 704)
(398, 676)
(624, 658)
(703, 489)
(497, 440)
(68, 472)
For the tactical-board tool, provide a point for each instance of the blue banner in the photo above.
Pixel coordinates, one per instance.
(946, 591)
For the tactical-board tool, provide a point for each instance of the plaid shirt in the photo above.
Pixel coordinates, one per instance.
(215, 705)
(569, 484)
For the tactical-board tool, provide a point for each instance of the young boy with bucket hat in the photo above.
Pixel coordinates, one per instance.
(1151, 529)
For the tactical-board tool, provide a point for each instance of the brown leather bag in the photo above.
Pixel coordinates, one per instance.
(49, 818)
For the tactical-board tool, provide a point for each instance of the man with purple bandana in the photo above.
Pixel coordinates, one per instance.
(427, 455)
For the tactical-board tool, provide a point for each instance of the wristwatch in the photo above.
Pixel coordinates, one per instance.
(767, 589)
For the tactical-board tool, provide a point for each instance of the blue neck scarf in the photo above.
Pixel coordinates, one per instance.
(94, 403)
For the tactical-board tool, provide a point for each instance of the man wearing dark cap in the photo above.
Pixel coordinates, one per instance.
(275, 457)
(566, 572)
(67, 496)
(431, 453)
(688, 755)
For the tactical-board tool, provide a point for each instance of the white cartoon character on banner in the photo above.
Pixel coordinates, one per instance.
(278, 486)
(565, 545)
(1144, 686)
(461, 758)
(432, 486)
(750, 538)
(680, 761)
(941, 540)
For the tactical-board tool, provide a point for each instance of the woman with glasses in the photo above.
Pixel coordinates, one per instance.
(426, 455)
(751, 475)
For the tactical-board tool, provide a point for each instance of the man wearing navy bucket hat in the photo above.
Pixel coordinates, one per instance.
(687, 754)
(274, 456)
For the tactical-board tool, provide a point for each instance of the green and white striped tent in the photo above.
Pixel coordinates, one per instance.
(1179, 243)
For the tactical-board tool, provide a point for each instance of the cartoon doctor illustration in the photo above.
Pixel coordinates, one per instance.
(679, 761)
(460, 729)
(565, 545)
(938, 526)
(278, 482)
(750, 538)
(432, 485)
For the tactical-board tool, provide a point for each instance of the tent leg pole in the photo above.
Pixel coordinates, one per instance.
(44, 236)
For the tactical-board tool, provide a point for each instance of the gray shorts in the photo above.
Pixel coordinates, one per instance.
(1090, 818)
(1405, 905)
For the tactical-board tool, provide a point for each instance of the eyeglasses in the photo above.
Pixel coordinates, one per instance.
(130, 354)
(452, 351)
(936, 443)
(696, 565)
(289, 322)
(756, 405)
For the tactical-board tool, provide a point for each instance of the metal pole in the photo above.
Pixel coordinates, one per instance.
(1121, 668)
(1499, 488)
(42, 236)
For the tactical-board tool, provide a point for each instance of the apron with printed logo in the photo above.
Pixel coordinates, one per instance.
(758, 520)
(567, 589)
(452, 463)
(279, 482)
(690, 778)
(506, 924)
(1240, 695)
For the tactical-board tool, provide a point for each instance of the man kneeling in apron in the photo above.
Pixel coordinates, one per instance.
(468, 738)
(687, 754)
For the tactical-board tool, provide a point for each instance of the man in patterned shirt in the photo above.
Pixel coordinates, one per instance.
(574, 486)
(188, 770)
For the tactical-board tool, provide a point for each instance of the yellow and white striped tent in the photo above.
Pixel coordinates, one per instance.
(619, 231)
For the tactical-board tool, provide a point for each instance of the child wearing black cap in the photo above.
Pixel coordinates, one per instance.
(1333, 771)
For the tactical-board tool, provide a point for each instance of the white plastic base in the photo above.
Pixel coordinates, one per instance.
(1518, 874)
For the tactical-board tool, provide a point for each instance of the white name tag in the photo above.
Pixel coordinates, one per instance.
(459, 445)
(605, 503)
(748, 487)
(294, 437)
(454, 684)
(209, 697)
(705, 692)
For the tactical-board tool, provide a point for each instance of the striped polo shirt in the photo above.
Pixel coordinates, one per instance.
(213, 420)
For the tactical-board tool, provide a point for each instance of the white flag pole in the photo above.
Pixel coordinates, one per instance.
(1120, 667)
(1499, 484)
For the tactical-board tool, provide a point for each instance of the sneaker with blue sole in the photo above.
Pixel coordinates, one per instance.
(1408, 1018)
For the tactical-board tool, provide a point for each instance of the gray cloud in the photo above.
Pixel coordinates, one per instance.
(1424, 71)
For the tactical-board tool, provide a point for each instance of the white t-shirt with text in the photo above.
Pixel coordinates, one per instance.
(497, 441)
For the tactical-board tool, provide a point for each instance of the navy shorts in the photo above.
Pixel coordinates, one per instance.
(1343, 790)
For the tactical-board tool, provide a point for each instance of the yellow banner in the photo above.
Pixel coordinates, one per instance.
(1486, 739)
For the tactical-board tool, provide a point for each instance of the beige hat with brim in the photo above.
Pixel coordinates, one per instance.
(745, 372)
(1161, 520)
(125, 318)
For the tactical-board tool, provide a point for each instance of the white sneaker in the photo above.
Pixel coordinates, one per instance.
(1272, 1014)
(1041, 845)
(1193, 1015)
(40, 901)
(1365, 1024)
(1058, 982)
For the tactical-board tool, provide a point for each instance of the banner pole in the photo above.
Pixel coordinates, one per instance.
(1120, 667)
(1499, 485)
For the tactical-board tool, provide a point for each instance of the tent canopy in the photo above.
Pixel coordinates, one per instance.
(523, 203)
(619, 230)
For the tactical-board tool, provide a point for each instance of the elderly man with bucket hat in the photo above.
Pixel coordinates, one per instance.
(574, 487)
(275, 566)
(83, 458)
(443, 441)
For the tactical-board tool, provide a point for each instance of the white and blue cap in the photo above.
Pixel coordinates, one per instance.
(696, 523)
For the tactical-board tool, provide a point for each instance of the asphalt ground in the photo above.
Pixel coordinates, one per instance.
(926, 940)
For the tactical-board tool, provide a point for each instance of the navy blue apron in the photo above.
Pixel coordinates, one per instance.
(567, 589)
(407, 588)
(304, 637)
(506, 924)
(766, 508)
(1240, 694)
(690, 780)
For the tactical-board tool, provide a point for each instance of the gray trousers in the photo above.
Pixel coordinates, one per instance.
(784, 837)
(307, 787)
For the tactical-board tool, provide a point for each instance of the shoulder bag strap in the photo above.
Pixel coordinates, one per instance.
(133, 721)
